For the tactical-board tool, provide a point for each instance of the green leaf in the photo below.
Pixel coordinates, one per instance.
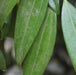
(5, 29)
(6, 7)
(42, 48)
(29, 19)
(69, 29)
(9, 25)
(54, 4)
(2, 62)
(13, 20)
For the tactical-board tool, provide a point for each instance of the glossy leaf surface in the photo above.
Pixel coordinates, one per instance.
(69, 29)
(42, 48)
(30, 16)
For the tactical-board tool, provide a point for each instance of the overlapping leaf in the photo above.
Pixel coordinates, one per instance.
(54, 4)
(6, 7)
(29, 19)
(5, 29)
(69, 29)
(42, 48)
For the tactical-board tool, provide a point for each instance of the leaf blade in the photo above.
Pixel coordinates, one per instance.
(5, 29)
(69, 29)
(42, 47)
(54, 4)
(6, 7)
(2, 62)
(30, 15)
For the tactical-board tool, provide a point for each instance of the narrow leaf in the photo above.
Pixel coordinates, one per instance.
(29, 19)
(54, 4)
(42, 49)
(2, 62)
(6, 7)
(69, 29)
(5, 29)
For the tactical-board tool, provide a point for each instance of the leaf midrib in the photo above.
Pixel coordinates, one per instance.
(25, 30)
(39, 45)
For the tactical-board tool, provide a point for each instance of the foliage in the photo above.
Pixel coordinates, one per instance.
(34, 28)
